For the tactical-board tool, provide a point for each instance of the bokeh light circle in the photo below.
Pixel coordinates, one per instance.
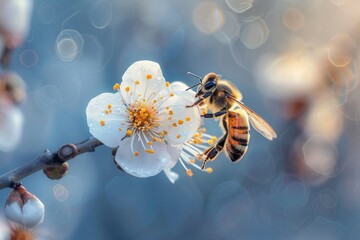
(29, 58)
(69, 45)
(46, 13)
(239, 6)
(254, 33)
(208, 17)
(100, 14)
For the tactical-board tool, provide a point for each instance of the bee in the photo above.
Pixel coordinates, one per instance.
(224, 101)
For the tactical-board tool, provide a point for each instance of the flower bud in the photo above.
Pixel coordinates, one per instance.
(57, 172)
(13, 86)
(24, 208)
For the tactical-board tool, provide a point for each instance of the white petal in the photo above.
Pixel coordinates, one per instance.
(33, 213)
(183, 122)
(145, 164)
(136, 78)
(13, 212)
(115, 122)
(180, 86)
(174, 152)
(11, 125)
(172, 176)
(22, 9)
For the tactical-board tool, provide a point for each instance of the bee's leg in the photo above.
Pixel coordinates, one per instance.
(213, 151)
(206, 95)
(217, 114)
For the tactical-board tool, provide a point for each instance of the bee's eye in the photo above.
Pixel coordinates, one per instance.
(209, 84)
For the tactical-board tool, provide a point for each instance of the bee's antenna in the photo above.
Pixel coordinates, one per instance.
(194, 75)
(193, 86)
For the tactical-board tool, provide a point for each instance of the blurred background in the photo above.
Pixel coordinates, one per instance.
(296, 63)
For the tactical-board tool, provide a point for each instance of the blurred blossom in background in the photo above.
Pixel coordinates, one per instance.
(296, 63)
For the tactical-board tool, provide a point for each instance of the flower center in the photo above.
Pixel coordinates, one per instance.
(142, 118)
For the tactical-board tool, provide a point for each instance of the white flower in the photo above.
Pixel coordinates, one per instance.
(15, 18)
(142, 119)
(24, 208)
(11, 124)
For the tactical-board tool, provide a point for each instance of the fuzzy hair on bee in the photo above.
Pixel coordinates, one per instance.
(223, 99)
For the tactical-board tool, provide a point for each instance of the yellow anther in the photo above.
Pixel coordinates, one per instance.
(136, 153)
(209, 170)
(167, 84)
(178, 136)
(154, 101)
(127, 89)
(137, 82)
(106, 112)
(120, 129)
(204, 111)
(174, 125)
(102, 122)
(167, 108)
(150, 151)
(171, 94)
(165, 132)
(187, 119)
(149, 76)
(210, 142)
(202, 130)
(189, 172)
(180, 122)
(128, 132)
(149, 143)
(116, 86)
(192, 161)
(213, 138)
(169, 118)
(109, 106)
(171, 112)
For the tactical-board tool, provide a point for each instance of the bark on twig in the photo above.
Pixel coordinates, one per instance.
(46, 159)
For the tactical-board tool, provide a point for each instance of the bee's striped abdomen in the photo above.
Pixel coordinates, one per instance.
(238, 134)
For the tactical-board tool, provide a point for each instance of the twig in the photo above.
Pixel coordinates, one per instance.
(47, 159)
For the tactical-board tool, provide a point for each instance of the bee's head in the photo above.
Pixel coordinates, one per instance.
(206, 84)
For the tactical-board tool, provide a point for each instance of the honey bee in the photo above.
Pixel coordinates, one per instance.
(224, 101)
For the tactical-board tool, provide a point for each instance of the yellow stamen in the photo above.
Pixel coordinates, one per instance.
(106, 112)
(127, 89)
(167, 84)
(187, 119)
(102, 122)
(178, 136)
(128, 132)
(180, 122)
(171, 112)
(109, 106)
(149, 143)
(209, 170)
(120, 129)
(137, 82)
(154, 101)
(192, 161)
(210, 142)
(174, 125)
(171, 94)
(116, 86)
(149, 76)
(150, 151)
(189, 172)
(136, 153)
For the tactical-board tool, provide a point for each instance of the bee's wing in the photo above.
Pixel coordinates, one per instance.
(257, 122)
